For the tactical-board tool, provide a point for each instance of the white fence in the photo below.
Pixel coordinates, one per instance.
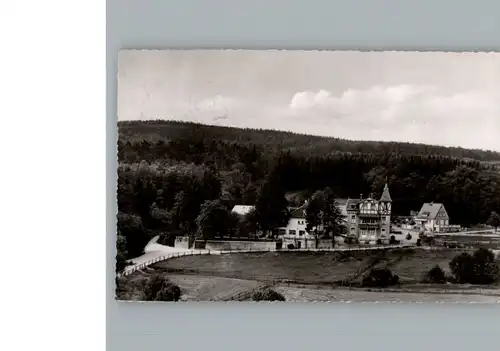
(143, 265)
(137, 267)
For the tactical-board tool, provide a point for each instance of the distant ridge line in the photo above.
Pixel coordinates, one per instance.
(481, 154)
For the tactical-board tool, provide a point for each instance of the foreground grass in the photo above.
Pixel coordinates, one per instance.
(308, 267)
(301, 294)
(305, 276)
(311, 267)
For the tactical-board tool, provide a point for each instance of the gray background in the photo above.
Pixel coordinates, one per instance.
(313, 24)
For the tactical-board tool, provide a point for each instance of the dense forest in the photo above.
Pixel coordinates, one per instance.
(277, 141)
(174, 177)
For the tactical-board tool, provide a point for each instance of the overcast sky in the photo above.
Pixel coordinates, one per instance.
(450, 99)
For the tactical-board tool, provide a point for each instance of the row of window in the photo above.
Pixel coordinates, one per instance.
(294, 232)
(368, 220)
(354, 229)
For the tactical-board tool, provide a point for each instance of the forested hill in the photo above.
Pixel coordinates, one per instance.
(272, 140)
(176, 177)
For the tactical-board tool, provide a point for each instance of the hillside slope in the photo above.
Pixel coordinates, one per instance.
(136, 131)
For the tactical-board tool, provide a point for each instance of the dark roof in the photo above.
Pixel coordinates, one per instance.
(352, 203)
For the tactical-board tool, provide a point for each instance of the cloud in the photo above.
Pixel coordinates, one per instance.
(413, 113)
(403, 112)
(217, 103)
(207, 110)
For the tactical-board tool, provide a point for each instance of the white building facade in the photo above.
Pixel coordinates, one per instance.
(295, 232)
(433, 217)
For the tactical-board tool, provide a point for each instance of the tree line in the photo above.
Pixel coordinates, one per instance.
(153, 132)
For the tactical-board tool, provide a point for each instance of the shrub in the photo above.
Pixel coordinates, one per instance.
(392, 240)
(267, 294)
(119, 287)
(160, 288)
(290, 246)
(408, 237)
(419, 242)
(380, 277)
(350, 240)
(379, 241)
(426, 240)
(478, 268)
(435, 275)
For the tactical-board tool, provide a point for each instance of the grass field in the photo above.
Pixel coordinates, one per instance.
(311, 267)
(304, 276)
(469, 238)
(306, 267)
(477, 241)
(206, 288)
(293, 294)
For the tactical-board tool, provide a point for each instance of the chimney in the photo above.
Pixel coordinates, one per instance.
(360, 196)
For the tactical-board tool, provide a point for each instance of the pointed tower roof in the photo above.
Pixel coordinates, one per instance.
(385, 194)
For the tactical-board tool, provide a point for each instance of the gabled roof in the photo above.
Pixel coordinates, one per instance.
(341, 202)
(242, 209)
(429, 210)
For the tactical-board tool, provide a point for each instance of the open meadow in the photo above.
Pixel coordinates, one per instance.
(310, 276)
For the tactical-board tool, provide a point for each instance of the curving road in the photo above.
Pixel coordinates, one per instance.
(154, 250)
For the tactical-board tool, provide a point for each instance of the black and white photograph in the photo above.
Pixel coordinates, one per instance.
(308, 176)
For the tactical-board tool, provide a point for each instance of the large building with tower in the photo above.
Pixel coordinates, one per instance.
(368, 220)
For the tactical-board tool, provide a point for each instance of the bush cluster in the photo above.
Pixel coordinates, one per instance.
(393, 241)
(160, 288)
(478, 268)
(381, 278)
(351, 240)
(267, 294)
(435, 275)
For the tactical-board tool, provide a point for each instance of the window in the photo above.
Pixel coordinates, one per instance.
(301, 232)
(292, 232)
(383, 229)
(353, 229)
(353, 217)
(282, 231)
